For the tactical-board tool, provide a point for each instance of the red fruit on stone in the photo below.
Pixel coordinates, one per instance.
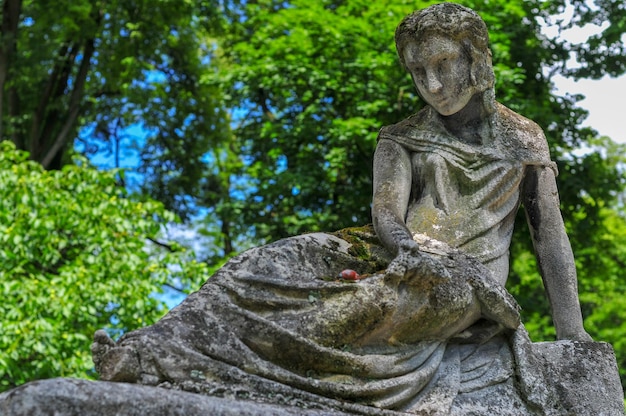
(349, 274)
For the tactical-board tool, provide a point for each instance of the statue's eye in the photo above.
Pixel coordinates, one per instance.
(418, 71)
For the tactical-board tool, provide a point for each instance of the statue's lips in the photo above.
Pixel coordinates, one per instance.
(438, 101)
(442, 100)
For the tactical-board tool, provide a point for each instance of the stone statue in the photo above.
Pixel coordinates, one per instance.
(411, 319)
(457, 170)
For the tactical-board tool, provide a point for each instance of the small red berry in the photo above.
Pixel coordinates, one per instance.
(349, 274)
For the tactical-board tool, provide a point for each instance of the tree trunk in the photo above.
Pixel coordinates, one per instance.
(63, 136)
(11, 10)
(42, 113)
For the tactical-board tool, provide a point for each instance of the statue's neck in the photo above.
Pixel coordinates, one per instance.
(471, 124)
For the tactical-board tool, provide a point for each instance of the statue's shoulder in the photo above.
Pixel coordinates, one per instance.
(423, 120)
(521, 133)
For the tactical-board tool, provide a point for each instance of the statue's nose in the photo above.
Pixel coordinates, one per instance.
(432, 82)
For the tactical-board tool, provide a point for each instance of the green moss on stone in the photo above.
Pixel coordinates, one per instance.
(365, 245)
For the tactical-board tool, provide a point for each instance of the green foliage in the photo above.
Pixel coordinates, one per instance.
(316, 80)
(74, 258)
(601, 54)
(98, 67)
(90, 75)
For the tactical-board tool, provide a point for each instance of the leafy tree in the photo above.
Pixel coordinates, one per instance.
(282, 97)
(83, 75)
(75, 256)
(601, 54)
(259, 115)
(314, 81)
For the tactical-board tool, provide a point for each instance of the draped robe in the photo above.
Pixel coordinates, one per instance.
(467, 195)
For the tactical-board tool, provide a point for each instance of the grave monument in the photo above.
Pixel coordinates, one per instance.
(408, 316)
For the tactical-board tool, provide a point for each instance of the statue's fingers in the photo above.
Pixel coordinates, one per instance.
(396, 270)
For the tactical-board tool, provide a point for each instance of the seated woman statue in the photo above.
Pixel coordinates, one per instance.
(428, 328)
(457, 170)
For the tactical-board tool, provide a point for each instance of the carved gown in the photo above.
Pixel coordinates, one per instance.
(468, 195)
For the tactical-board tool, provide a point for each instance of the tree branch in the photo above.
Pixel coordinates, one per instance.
(14, 108)
(161, 244)
(263, 99)
(177, 289)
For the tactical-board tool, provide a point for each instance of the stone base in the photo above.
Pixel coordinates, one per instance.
(71, 397)
(274, 332)
(583, 380)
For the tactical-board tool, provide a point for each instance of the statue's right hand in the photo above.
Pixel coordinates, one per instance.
(411, 263)
(408, 246)
(407, 249)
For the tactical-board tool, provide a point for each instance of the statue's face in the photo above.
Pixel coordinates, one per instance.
(441, 73)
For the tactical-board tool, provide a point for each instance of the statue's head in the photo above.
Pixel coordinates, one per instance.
(446, 28)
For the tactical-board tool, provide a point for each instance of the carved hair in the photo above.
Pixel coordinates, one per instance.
(457, 23)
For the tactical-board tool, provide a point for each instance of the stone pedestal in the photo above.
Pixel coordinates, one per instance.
(583, 381)
(586, 376)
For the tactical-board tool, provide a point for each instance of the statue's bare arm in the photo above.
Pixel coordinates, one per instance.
(392, 189)
(553, 251)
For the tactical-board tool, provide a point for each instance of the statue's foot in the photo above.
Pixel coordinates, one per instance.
(114, 363)
(102, 343)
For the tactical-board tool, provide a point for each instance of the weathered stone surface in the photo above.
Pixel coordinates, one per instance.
(586, 376)
(587, 386)
(275, 322)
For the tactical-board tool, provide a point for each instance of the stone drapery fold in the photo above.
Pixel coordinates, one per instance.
(266, 328)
